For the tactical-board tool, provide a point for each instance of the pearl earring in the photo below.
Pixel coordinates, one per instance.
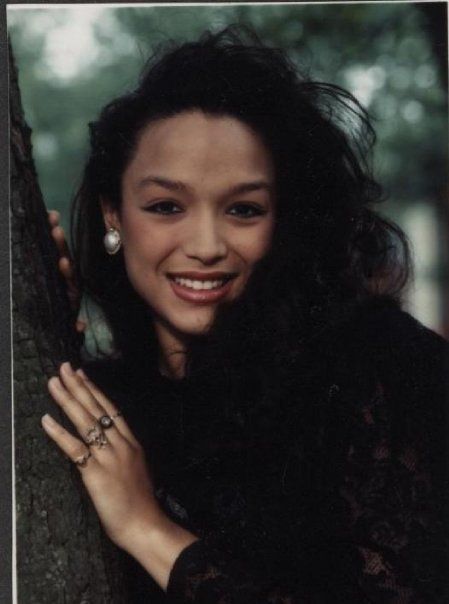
(112, 241)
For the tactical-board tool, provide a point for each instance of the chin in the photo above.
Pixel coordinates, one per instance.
(195, 330)
(196, 326)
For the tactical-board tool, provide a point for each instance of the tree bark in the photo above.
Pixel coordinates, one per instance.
(62, 554)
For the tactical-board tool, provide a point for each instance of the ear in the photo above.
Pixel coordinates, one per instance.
(110, 214)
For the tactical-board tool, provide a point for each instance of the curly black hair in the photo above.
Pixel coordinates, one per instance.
(330, 249)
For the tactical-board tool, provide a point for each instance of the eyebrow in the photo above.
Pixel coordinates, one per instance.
(172, 185)
(249, 187)
(176, 185)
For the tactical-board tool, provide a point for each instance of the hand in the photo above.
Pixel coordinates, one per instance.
(116, 475)
(65, 265)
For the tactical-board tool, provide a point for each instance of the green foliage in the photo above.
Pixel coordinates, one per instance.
(381, 52)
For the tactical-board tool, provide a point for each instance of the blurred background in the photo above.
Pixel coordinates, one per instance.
(392, 57)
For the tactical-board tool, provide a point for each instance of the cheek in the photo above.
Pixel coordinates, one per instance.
(146, 246)
(255, 245)
(266, 238)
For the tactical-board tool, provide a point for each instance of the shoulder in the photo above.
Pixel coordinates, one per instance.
(388, 360)
(379, 348)
(407, 355)
(380, 335)
(386, 324)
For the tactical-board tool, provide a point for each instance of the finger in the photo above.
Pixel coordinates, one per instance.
(80, 325)
(108, 406)
(53, 217)
(65, 263)
(57, 232)
(78, 415)
(77, 387)
(71, 446)
(66, 268)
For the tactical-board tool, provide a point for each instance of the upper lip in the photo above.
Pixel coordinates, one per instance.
(202, 276)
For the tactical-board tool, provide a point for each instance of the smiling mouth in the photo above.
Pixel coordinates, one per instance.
(200, 285)
(199, 282)
(196, 287)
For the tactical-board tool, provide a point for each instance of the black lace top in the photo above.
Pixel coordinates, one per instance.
(329, 488)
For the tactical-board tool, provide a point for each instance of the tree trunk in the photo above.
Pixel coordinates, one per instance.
(62, 554)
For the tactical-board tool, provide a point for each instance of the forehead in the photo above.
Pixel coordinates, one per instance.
(197, 146)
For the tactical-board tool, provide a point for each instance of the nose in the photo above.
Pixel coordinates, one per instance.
(205, 241)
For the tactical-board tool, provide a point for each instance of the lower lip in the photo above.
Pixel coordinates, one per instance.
(201, 296)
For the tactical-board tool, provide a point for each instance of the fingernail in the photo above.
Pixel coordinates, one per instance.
(47, 420)
(81, 326)
(67, 368)
(55, 381)
(81, 373)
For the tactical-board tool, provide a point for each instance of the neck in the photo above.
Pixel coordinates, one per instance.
(172, 353)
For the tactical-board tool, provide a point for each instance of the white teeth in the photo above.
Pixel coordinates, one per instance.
(195, 284)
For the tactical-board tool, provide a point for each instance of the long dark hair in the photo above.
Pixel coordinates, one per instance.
(330, 249)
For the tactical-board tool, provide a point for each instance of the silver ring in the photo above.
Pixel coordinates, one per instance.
(106, 421)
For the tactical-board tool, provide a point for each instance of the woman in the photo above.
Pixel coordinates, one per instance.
(292, 414)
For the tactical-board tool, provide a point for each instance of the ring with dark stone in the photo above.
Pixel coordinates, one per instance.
(106, 421)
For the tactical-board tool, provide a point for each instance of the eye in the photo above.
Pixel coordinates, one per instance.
(165, 208)
(246, 210)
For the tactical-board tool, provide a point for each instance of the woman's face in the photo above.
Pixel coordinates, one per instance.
(197, 213)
